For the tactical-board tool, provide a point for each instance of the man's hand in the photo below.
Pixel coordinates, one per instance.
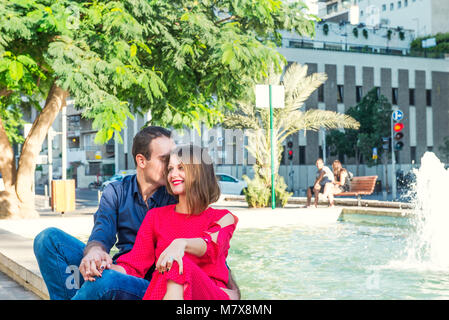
(94, 262)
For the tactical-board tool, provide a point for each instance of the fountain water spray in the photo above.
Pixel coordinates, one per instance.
(428, 247)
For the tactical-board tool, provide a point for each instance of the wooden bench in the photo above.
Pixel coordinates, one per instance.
(360, 186)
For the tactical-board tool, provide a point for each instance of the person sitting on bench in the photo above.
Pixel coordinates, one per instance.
(340, 184)
(323, 175)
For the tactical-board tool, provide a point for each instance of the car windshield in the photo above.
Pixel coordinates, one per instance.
(116, 177)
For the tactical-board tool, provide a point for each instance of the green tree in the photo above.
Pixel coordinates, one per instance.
(444, 149)
(441, 48)
(186, 61)
(373, 113)
(287, 121)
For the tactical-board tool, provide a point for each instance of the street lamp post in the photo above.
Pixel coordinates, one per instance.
(271, 96)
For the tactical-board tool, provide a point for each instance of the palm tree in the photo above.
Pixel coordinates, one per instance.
(298, 87)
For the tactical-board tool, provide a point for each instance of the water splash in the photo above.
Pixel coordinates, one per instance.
(428, 246)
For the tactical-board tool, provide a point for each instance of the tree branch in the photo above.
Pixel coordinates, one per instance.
(227, 19)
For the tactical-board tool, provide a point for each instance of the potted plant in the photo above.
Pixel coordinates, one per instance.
(365, 33)
(389, 32)
(355, 31)
(325, 29)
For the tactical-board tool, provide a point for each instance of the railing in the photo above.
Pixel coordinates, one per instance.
(358, 48)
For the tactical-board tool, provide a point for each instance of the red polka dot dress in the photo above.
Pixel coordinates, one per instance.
(203, 276)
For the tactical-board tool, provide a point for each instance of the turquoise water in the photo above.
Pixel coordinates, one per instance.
(359, 258)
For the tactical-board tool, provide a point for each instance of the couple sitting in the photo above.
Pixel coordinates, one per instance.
(328, 182)
(171, 244)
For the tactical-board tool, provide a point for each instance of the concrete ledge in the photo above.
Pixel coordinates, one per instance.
(17, 261)
(338, 202)
(397, 213)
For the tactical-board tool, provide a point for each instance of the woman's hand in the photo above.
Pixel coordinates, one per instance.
(174, 252)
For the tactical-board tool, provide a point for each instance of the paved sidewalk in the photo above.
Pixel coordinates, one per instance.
(11, 290)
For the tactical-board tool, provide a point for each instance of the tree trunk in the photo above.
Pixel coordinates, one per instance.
(8, 199)
(19, 199)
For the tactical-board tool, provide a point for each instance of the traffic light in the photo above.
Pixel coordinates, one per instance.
(397, 128)
(290, 150)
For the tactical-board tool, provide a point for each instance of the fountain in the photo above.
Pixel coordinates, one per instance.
(428, 247)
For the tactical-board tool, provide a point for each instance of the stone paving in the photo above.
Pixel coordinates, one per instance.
(11, 290)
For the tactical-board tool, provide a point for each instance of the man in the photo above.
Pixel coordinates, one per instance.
(323, 176)
(122, 209)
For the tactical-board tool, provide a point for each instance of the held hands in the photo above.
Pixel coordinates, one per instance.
(174, 252)
(94, 262)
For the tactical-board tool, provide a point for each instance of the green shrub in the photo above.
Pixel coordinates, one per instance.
(258, 192)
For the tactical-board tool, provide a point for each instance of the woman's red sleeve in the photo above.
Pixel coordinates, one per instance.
(138, 261)
(220, 247)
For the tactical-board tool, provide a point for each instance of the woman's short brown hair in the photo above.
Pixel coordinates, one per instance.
(201, 184)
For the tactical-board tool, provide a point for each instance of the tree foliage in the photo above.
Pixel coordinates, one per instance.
(441, 48)
(373, 113)
(186, 61)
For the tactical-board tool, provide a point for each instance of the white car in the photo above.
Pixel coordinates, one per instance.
(117, 177)
(230, 185)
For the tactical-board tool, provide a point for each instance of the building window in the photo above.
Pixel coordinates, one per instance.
(340, 94)
(413, 154)
(74, 143)
(429, 98)
(321, 94)
(93, 168)
(394, 96)
(399, 4)
(391, 6)
(302, 154)
(358, 94)
(411, 94)
(361, 13)
(384, 7)
(405, 3)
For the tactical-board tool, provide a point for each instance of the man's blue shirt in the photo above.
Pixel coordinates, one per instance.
(121, 212)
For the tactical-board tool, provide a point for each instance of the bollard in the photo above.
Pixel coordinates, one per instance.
(46, 198)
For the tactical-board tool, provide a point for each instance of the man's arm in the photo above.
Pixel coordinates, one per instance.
(319, 178)
(103, 236)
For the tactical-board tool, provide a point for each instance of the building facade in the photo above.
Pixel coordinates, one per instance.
(425, 17)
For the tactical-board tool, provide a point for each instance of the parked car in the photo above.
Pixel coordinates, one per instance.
(2, 185)
(230, 185)
(116, 177)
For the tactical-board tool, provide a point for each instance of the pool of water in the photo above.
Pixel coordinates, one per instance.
(357, 258)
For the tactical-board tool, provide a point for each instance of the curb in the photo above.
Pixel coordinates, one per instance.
(17, 261)
(24, 277)
(337, 201)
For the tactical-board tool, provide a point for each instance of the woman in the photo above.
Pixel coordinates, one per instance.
(189, 241)
(340, 183)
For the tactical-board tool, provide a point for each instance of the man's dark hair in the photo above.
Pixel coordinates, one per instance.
(142, 140)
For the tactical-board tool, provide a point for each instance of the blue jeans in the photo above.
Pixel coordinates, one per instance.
(59, 255)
